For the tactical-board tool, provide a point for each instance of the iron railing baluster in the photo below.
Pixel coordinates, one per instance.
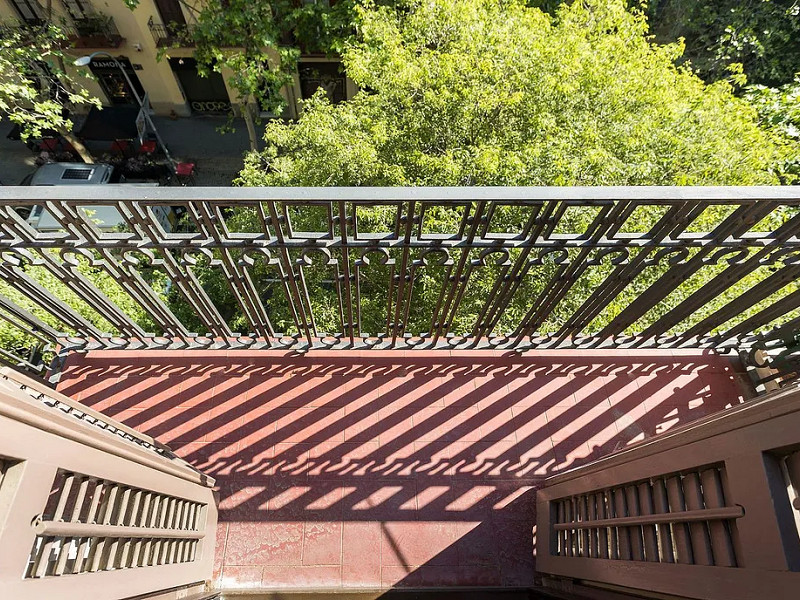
(479, 287)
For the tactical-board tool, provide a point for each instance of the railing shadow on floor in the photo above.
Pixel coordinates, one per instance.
(422, 466)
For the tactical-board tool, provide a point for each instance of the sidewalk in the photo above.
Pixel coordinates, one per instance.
(16, 161)
(219, 157)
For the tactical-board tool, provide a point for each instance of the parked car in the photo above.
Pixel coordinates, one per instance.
(105, 218)
(72, 174)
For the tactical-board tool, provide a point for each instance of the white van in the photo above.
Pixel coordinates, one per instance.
(105, 218)
(72, 174)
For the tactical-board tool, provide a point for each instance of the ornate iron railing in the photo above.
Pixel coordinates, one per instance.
(94, 31)
(450, 268)
(170, 34)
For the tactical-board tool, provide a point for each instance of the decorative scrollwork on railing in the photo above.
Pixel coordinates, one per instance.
(446, 268)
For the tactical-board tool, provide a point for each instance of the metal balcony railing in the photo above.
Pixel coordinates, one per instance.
(170, 35)
(424, 268)
(12, 27)
(94, 31)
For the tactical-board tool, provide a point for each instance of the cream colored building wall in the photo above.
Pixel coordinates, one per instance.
(139, 47)
(7, 13)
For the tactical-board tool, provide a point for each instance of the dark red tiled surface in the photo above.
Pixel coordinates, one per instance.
(351, 469)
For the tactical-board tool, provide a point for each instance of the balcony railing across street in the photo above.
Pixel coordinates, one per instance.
(170, 34)
(424, 268)
(94, 31)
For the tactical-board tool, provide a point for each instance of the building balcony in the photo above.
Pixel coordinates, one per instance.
(380, 383)
(94, 31)
(171, 35)
(13, 27)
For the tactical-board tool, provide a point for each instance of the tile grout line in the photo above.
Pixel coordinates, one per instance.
(341, 550)
(224, 550)
(303, 544)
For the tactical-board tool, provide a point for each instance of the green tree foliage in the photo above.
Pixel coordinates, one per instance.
(34, 87)
(489, 92)
(762, 35)
(758, 40)
(14, 338)
(779, 108)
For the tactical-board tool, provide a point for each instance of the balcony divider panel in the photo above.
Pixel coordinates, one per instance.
(717, 504)
(86, 501)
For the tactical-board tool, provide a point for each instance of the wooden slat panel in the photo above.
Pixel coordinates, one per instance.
(661, 502)
(593, 533)
(613, 533)
(721, 542)
(72, 491)
(569, 516)
(602, 532)
(623, 532)
(723, 488)
(687, 516)
(42, 560)
(698, 531)
(680, 531)
(648, 531)
(635, 531)
(94, 507)
(583, 512)
(66, 489)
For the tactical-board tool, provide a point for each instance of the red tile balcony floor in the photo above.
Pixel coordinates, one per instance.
(380, 469)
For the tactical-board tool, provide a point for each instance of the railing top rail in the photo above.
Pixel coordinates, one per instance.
(51, 397)
(371, 195)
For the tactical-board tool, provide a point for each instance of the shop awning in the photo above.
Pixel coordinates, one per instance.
(109, 124)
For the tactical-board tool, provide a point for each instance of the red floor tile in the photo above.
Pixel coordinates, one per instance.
(264, 543)
(391, 469)
(322, 543)
(237, 576)
(421, 542)
(302, 576)
(219, 544)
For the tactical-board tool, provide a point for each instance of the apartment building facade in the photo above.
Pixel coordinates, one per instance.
(152, 43)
